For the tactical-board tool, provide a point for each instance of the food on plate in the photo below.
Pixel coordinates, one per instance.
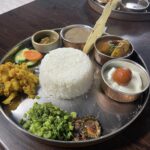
(86, 128)
(65, 73)
(75, 35)
(15, 79)
(45, 40)
(48, 39)
(28, 56)
(122, 76)
(78, 34)
(125, 80)
(114, 48)
(121, 48)
(49, 121)
(110, 47)
(99, 27)
(32, 55)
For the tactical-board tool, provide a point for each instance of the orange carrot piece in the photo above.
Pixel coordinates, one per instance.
(32, 55)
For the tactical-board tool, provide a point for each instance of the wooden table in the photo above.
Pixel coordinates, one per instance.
(45, 14)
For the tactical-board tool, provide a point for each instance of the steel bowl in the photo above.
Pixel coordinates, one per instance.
(116, 94)
(45, 48)
(134, 5)
(68, 42)
(102, 58)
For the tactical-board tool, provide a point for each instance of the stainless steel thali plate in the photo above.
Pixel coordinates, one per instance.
(113, 116)
(121, 14)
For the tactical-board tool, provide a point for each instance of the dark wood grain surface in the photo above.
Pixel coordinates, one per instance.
(45, 14)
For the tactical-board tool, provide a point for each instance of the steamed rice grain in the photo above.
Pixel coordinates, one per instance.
(65, 73)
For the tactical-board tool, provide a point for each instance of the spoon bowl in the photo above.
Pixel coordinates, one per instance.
(135, 5)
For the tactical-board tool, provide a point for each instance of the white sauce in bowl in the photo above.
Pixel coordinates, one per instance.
(134, 86)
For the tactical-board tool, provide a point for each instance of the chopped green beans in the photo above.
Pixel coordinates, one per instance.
(48, 121)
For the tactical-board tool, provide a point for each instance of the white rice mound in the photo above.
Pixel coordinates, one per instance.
(65, 73)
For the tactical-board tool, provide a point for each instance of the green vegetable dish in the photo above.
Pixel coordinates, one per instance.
(48, 121)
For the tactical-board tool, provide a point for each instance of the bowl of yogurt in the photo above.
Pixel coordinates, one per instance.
(123, 80)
